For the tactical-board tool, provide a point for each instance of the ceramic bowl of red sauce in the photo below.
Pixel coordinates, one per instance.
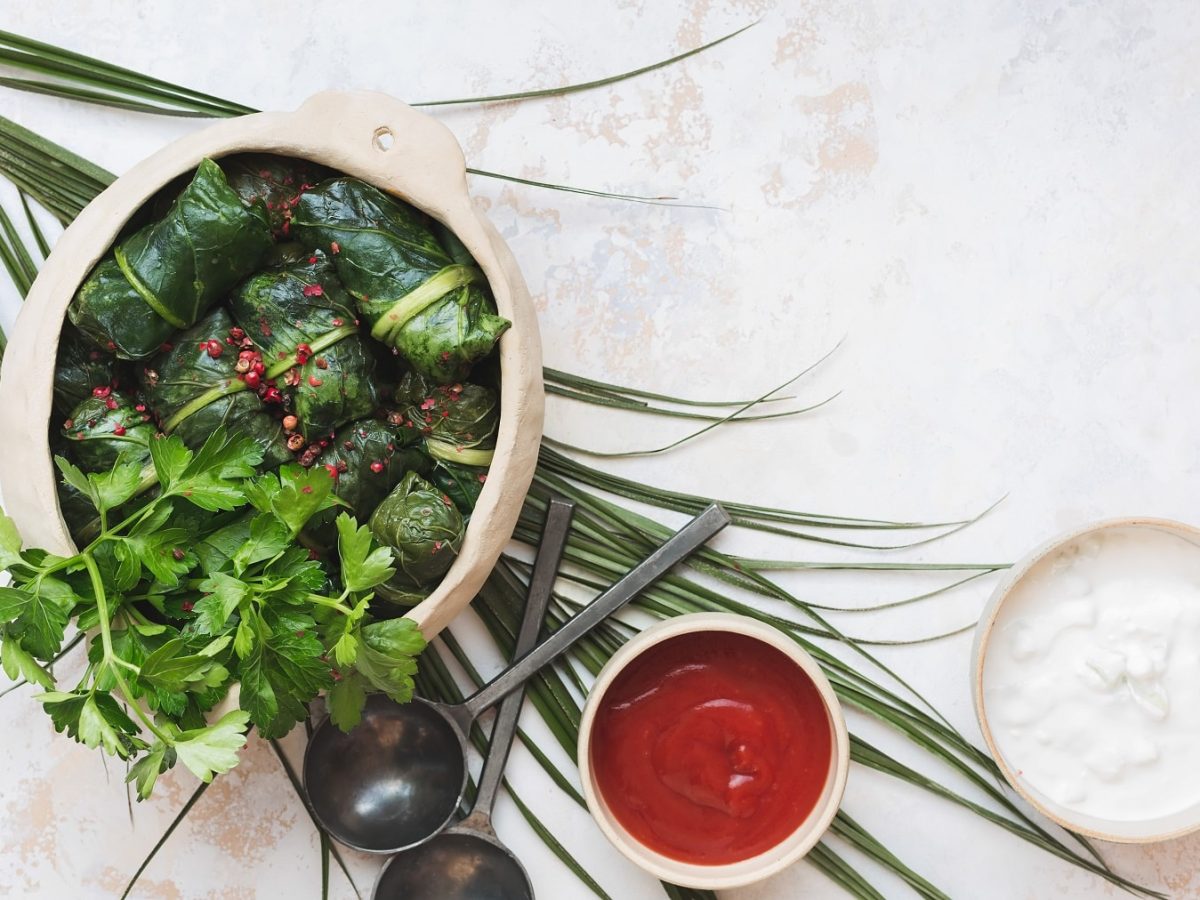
(713, 751)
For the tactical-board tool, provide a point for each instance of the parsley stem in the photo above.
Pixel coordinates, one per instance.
(110, 658)
(330, 603)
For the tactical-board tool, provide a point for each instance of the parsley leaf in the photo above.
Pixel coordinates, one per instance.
(170, 458)
(293, 495)
(146, 770)
(268, 537)
(38, 612)
(346, 700)
(280, 676)
(346, 650)
(387, 656)
(362, 567)
(74, 476)
(213, 750)
(18, 663)
(156, 551)
(94, 719)
(171, 668)
(116, 486)
(10, 542)
(211, 478)
(225, 593)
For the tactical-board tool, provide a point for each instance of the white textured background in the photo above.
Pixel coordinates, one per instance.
(993, 201)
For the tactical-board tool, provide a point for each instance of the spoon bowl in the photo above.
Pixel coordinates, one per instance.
(455, 865)
(388, 782)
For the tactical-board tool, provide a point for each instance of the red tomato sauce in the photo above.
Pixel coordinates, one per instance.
(711, 747)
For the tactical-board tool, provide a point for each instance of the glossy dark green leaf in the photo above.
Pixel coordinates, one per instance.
(458, 420)
(194, 392)
(436, 312)
(299, 311)
(366, 459)
(167, 275)
(81, 366)
(275, 182)
(423, 528)
(462, 484)
(100, 429)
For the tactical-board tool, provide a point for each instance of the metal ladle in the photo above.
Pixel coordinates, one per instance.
(468, 861)
(397, 778)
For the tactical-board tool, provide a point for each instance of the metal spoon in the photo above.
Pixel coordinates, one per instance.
(468, 862)
(396, 780)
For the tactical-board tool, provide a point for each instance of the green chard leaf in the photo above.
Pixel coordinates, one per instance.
(213, 750)
(165, 275)
(362, 567)
(298, 311)
(424, 529)
(100, 430)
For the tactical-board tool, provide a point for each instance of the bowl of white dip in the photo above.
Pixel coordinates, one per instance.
(1086, 679)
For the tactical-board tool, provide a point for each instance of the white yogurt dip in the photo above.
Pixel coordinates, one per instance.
(1091, 681)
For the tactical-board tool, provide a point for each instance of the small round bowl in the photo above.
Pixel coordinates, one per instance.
(755, 868)
(1140, 831)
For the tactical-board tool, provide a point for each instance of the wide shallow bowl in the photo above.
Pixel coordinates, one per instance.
(755, 868)
(369, 136)
(1138, 831)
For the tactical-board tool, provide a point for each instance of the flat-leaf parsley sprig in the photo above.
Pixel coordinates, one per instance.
(192, 590)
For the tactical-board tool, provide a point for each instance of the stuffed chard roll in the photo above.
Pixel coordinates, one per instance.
(299, 311)
(205, 381)
(432, 309)
(275, 181)
(81, 367)
(166, 275)
(366, 459)
(107, 425)
(425, 531)
(459, 420)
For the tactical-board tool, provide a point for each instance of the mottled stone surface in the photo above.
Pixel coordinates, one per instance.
(992, 202)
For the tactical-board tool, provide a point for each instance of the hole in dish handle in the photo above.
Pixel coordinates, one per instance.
(384, 139)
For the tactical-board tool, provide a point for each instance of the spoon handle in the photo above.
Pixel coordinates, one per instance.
(541, 589)
(691, 537)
